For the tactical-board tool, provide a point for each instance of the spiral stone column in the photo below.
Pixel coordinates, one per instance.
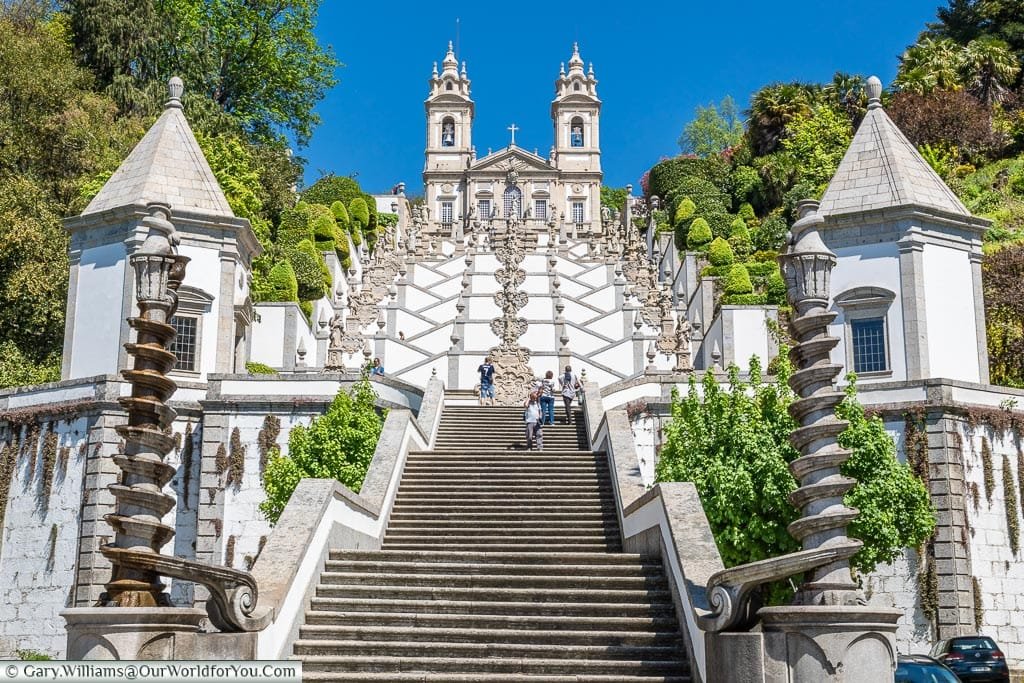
(807, 268)
(141, 502)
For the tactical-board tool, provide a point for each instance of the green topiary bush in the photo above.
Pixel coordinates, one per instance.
(775, 291)
(699, 235)
(760, 268)
(341, 216)
(359, 212)
(295, 226)
(746, 212)
(744, 299)
(283, 284)
(332, 188)
(684, 212)
(309, 271)
(738, 280)
(720, 253)
(739, 238)
(772, 233)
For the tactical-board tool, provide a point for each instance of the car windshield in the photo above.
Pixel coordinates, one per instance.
(972, 644)
(913, 672)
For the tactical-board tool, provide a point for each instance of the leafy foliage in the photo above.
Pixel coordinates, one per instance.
(699, 234)
(337, 445)
(733, 444)
(738, 280)
(1004, 314)
(613, 197)
(713, 129)
(720, 253)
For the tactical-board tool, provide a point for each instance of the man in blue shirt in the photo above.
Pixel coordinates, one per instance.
(486, 371)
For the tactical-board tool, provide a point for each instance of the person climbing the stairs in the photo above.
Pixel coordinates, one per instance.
(486, 371)
(534, 422)
(546, 389)
(569, 384)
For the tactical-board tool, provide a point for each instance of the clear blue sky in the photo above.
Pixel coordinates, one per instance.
(654, 62)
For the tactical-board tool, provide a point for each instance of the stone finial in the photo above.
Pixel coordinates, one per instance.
(874, 90)
(175, 89)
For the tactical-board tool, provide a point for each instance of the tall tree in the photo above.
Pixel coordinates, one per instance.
(931, 63)
(713, 129)
(990, 68)
(771, 109)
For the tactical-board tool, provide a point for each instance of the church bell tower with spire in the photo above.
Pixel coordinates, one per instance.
(449, 149)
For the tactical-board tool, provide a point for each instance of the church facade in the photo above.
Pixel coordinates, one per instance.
(465, 192)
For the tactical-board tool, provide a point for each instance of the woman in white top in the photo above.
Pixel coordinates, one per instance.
(534, 422)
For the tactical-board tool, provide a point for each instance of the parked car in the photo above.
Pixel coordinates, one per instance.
(922, 669)
(973, 659)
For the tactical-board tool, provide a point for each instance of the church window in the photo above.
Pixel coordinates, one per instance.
(577, 212)
(540, 209)
(446, 213)
(576, 86)
(448, 85)
(576, 132)
(185, 343)
(484, 207)
(513, 202)
(448, 133)
(868, 341)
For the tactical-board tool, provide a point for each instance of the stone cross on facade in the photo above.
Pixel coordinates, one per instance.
(513, 128)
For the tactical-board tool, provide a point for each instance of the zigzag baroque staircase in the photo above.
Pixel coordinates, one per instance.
(499, 564)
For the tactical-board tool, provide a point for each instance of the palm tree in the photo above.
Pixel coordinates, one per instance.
(989, 69)
(931, 63)
(771, 109)
(846, 91)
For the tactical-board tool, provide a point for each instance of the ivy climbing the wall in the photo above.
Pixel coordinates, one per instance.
(733, 444)
(337, 445)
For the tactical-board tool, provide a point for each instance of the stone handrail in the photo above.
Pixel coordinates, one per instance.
(666, 520)
(323, 515)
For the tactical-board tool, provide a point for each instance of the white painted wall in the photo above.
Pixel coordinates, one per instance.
(949, 302)
(870, 265)
(204, 272)
(99, 311)
(268, 336)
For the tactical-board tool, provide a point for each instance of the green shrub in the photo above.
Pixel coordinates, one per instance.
(746, 212)
(772, 234)
(715, 271)
(332, 188)
(747, 184)
(307, 310)
(684, 211)
(283, 284)
(739, 238)
(761, 268)
(667, 176)
(325, 227)
(254, 368)
(744, 299)
(295, 226)
(738, 280)
(776, 289)
(357, 236)
(18, 369)
(765, 256)
(337, 445)
(720, 253)
(359, 211)
(309, 271)
(699, 235)
(33, 656)
(732, 442)
(341, 216)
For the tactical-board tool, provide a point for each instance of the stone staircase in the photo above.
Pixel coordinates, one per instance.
(499, 564)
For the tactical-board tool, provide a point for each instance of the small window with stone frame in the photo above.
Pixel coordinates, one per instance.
(484, 209)
(446, 213)
(448, 132)
(577, 213)
(865, 314)
(540, 209)
(185, 345)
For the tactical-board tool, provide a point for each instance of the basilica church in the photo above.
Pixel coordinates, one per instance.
(465, 193)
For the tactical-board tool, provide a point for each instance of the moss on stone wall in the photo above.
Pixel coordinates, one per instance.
(221, 459)
(49, 456)
(986, 466)
(979, 613)
(229, 552)
(1010, 505)
(187, 450)
(266, 441)
(236, 459)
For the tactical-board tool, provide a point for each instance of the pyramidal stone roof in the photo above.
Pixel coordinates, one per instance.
(882, 169)
(166, 166)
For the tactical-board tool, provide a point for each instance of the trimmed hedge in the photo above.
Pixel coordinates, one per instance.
(738, 280)
(309, 271)
(739, 237)
(761, 268)
(332, 188)
(720, 253)
(341, 216)
(295, 226)
(699, 234)
(684, 211)
(283, 284)
(359, 211)
(776, 289)
(254, 368)
(744, 300)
